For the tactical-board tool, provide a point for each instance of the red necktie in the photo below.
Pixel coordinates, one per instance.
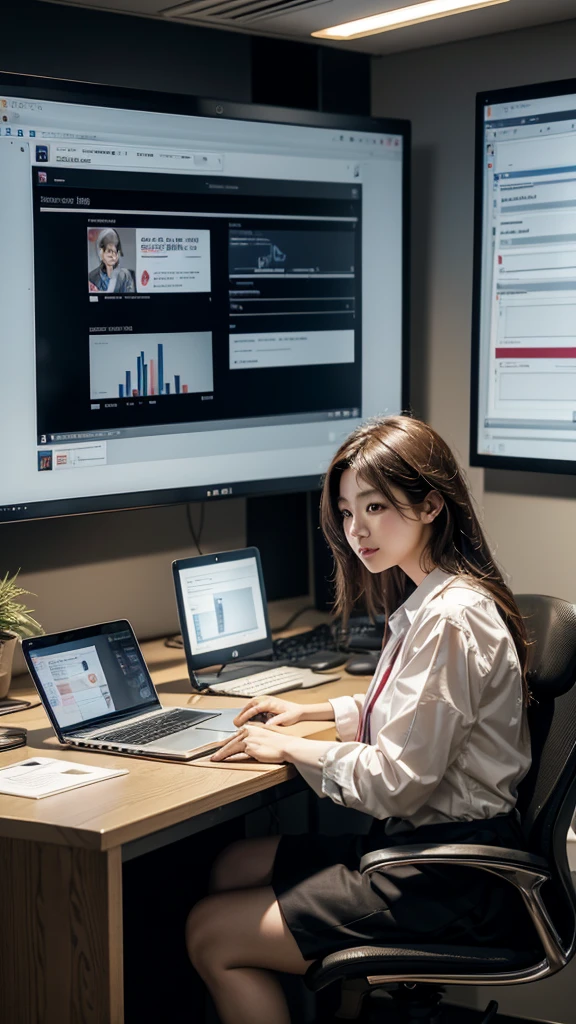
(363, 733)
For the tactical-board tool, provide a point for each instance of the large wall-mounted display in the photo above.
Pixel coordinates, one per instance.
(199, 299)
(524, 321)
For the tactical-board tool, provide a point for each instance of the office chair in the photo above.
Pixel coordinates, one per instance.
(415, 975)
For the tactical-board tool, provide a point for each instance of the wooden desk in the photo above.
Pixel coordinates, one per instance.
(61, 956)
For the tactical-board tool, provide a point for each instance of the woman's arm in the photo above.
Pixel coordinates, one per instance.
(273, 746)
(306, 753)
(317, 712)
(276, 711)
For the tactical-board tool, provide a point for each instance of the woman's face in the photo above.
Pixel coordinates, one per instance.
(109, 256)
(380, 535)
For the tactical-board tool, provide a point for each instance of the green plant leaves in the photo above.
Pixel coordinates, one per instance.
(15, 617)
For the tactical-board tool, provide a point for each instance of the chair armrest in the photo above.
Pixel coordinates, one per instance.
(466, 854)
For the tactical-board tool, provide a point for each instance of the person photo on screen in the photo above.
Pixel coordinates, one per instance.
(433, 753)
(109, 276)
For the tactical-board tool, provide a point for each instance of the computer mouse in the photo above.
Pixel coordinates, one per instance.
(322, 661)
(362, 665)
(10, 738)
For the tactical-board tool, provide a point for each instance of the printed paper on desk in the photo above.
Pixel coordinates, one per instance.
(44, 776)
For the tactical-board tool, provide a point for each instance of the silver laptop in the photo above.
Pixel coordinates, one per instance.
(98, 694)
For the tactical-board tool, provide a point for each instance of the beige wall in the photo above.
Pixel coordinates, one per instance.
(95, 568)
(529, 517)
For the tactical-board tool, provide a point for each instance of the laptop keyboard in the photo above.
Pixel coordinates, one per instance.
(155, 728)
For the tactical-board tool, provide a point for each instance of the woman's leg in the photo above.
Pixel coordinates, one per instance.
(245, 864)
(236, 940)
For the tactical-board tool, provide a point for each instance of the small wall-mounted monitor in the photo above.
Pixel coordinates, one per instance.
(524, 321)
(199, 299)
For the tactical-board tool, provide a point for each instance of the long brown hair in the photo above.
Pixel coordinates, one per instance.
(401, 452)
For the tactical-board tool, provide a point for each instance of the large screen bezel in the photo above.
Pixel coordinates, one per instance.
(65, 91)
(484, 99)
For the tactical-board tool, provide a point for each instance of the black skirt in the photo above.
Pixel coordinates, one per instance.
(329, 906)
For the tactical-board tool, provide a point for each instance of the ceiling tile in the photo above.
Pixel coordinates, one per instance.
(297, 19)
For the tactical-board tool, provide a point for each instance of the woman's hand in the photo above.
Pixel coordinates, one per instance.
(278, 711)
(259, 742)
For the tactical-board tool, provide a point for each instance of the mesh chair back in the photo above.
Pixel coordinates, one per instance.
(547, 796)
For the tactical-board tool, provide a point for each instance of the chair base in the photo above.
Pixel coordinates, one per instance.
(419, 1004)
(409, 1003)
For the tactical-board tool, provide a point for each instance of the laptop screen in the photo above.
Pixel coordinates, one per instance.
(223, 604)
(93, 676)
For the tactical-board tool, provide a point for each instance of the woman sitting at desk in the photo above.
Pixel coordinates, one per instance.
(434, 752)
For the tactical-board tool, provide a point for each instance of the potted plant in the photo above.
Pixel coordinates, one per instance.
(16, 623)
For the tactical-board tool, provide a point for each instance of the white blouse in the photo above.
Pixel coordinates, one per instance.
(449, 738)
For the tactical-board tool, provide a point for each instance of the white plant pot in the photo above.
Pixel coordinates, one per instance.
(7, 648)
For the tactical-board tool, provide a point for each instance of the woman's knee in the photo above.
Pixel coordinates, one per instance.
(204, 927)
(245, 864)
(240, 929)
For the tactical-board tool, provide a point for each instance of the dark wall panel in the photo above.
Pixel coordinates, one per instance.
(116, 49)
(277, 526)
(344, 81)
(293, 74)
(285, 73)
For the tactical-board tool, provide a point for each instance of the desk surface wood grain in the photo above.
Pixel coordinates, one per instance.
(155, 794)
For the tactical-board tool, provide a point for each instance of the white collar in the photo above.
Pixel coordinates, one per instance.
(431, 585)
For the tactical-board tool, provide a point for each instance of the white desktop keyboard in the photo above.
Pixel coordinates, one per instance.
(276, 680)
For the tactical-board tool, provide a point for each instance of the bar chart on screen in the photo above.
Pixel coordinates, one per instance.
(150, 365)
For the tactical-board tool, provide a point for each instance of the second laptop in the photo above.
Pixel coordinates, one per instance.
(224, 621)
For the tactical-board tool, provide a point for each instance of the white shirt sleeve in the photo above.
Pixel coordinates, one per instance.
(429, 715)
(347, 711)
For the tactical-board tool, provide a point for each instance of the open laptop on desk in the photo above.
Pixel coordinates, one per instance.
(97, 691)
(224, 621)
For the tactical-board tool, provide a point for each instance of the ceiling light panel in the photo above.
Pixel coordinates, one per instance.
(402, 17)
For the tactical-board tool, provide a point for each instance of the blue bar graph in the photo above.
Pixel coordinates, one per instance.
(151, 383)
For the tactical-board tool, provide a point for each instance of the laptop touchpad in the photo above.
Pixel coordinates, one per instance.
(189, 739)
(217, 733)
